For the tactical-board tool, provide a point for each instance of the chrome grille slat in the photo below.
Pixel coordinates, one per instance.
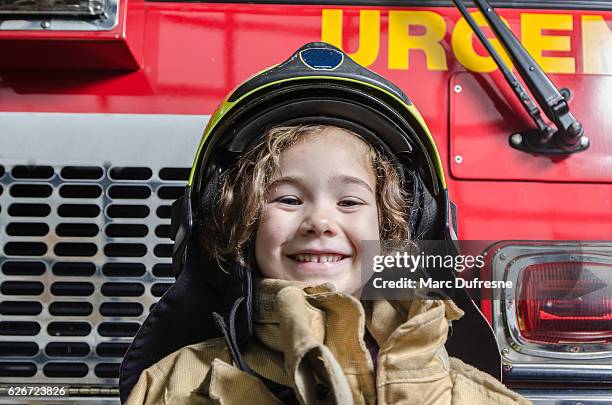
(98, 355)
(104, 329)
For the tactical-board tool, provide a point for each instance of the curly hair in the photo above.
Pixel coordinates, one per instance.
(238, 206)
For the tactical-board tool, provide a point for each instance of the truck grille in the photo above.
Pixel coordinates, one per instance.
(85, 255)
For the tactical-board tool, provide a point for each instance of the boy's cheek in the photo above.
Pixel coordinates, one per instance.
(280, 220)
(368, 227)
(277, 225)
(275, 213)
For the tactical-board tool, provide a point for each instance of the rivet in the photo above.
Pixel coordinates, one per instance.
(584, 141)
(457, 88)
(45, 24)
(458, 159)
(516, 139)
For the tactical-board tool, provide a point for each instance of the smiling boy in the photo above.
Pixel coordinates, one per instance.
(323, 191)
(294, 189)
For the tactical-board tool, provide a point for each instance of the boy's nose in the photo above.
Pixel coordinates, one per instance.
(318, 225)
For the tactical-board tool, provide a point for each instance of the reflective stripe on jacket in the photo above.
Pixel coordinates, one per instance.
(307, 336)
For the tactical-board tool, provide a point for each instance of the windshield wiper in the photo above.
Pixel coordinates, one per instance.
(568, 135)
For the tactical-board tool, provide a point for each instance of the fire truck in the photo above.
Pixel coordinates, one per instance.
(103, 102)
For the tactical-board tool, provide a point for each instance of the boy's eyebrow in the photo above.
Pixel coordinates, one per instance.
(283, 180)
(346, 179)
(339, 178)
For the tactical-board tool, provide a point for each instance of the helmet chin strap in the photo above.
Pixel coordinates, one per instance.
(237, 326)
(239, 298)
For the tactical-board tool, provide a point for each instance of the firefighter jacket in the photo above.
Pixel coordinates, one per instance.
(311, 336)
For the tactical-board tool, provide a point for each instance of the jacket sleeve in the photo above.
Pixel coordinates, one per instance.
(178, 377)
(149, 389)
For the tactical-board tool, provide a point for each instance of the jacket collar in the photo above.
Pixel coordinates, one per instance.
(320, 333)
(382, 317)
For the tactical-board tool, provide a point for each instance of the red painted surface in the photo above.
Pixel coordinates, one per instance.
(194, 54)
(479, 130)
(495, 210)
(117, 49)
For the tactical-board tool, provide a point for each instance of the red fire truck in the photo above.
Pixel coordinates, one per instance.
(103, 102)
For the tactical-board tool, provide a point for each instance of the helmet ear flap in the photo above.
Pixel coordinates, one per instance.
(181, 229)
(184, 219)
(424, 213)
(417, 189)
(208, 195)
(237, 281)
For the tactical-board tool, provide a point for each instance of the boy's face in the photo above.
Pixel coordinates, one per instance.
(318, 211)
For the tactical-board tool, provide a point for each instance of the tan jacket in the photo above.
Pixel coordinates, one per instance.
(312, 334)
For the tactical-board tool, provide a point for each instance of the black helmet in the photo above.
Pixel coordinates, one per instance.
(318, 84)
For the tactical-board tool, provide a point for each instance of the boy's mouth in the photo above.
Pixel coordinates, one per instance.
(317, 258)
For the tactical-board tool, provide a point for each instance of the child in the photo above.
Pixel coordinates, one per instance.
(294, 209)
(314, 192)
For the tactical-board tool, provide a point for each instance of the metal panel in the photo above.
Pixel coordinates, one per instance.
(61, 401)
(84, 214)
(105, 18)
(567, 397)
(480, 128)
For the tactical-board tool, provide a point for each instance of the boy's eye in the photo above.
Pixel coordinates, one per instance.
(350, 202)
(289, 200)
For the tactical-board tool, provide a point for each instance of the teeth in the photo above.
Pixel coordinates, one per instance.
(317, 258)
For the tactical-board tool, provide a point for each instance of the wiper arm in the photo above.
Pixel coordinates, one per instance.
(568, 136)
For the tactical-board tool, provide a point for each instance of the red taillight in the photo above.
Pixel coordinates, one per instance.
(565, 302)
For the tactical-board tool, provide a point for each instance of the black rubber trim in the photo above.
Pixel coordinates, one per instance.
(605, 5)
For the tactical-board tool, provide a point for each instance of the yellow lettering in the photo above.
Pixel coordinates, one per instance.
(533, 40)
(596, 45)
(401, 42)
(369, 33)
(462, 43)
